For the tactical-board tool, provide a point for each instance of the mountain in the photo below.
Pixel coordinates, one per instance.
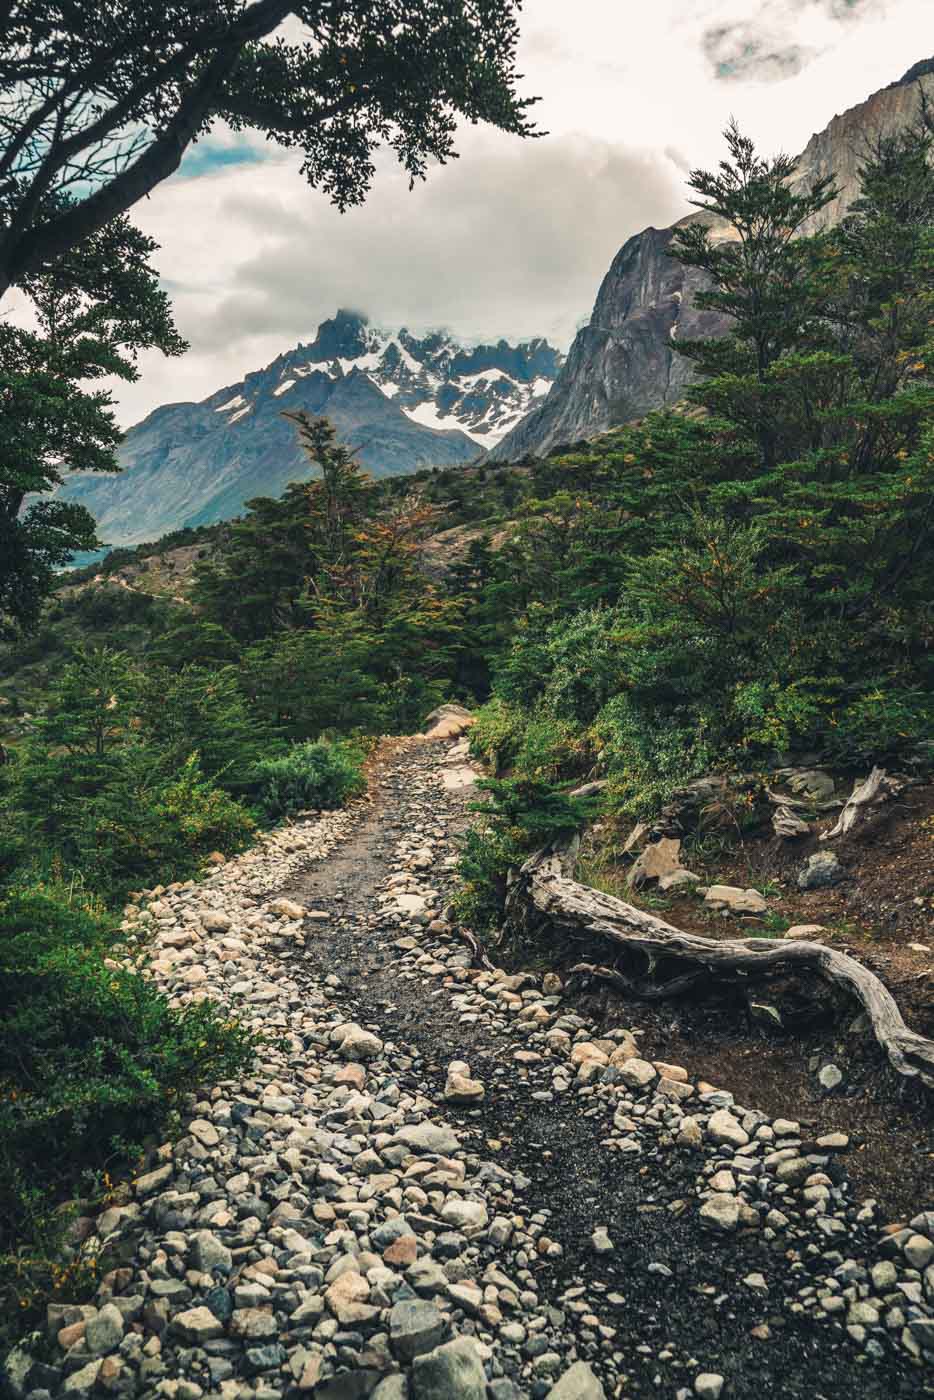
(401, 402)
(625, 361)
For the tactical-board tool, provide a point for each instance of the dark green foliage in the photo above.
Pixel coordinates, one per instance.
(345, 632)
(540, 810)
(486, 857)
(521, 815)
(764, 567)
(111, 783)
(95, 309)
(311, 775)
(354, 77)
(199, 710)
(195, 643)
(92, 1061)
(256, 581)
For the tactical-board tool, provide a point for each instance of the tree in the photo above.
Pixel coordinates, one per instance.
(107, 100)
(762, 274)
(762, 568)
(845, 489)
(255, 580)
(326, 582)
(97, 108)
(111, 783)
(202, 711)
(95, 309)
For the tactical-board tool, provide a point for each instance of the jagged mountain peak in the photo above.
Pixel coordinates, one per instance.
(344, 336)
(624, 363)
(401, 400)
(435, 379)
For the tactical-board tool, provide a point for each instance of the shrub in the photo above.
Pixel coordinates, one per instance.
(521, 816)
(92, 1061)
(496, 734)
(199, 710)
(162, 829)
(486, 857)
(106, 785)
(122, 821)
(310, 775)
(887, 719)
(645, 757)
(552, 748)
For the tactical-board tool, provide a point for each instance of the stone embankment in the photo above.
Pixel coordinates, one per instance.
(442, 1183)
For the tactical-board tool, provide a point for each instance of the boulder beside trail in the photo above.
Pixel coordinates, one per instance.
(735, 900)
(447, 722)
(822, 870)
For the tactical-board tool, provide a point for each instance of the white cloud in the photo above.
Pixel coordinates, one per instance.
(514, 237)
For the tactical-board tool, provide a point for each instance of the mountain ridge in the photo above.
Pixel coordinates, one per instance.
(402, 402)
(624, 362)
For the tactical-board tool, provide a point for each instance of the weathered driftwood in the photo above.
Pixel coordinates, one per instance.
(542, 893)
(787, 824)
(878, 787)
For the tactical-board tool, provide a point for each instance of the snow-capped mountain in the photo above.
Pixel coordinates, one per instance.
(401, 402)
(437, 381)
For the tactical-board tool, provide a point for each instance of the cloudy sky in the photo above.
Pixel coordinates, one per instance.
(513, 238)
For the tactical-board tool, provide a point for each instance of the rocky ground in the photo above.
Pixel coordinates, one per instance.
(869, 892)
(443, 1183)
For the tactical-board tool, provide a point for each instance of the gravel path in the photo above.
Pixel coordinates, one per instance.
(442, 1185)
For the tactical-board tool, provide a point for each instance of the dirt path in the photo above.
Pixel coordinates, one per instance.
(667, 1283)
(578, 1224)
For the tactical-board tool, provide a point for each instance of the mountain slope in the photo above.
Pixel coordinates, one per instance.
(400, 402)
(625, 362)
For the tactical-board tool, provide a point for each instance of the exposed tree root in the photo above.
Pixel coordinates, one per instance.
(472, 943)
(645, 991)
(543, 894)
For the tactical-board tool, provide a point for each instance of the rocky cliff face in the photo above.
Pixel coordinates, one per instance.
(401, 402)
(625, 362)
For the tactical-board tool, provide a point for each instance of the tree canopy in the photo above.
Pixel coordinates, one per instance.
(98, 105)
(94, 309)
(101, 102)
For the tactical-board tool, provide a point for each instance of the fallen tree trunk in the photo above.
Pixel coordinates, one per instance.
(542, 893)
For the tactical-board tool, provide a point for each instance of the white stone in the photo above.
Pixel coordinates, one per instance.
(708, 1385)
(722, 1127)
(637, 1074)
(721, 1210)
(737, 901)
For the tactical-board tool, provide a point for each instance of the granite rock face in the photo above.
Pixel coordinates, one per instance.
(625, 362)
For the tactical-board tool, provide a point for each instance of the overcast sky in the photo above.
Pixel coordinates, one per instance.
(512, 239)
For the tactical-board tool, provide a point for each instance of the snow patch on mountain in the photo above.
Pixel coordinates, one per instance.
(437, 380)
(400, 401)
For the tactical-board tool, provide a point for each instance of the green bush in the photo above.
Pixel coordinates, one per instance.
(146, 828)
(312, 775)
(486, 857)
(93, 1060)
(106, 785)
(496, 734)
(646, 756)
(122, 820)
(521, 816)
(886, 720)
